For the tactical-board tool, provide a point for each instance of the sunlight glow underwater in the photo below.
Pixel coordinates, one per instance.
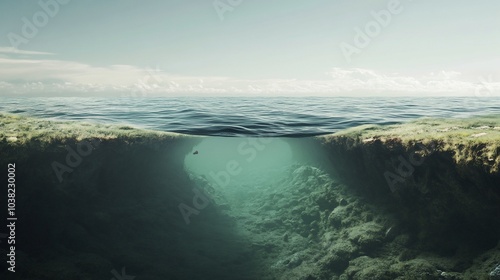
(228, 161)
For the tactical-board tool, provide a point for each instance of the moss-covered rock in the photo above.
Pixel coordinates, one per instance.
(441, 175)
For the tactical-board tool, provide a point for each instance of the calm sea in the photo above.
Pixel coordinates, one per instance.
(252, 116)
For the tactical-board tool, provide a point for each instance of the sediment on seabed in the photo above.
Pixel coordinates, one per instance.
(412, 201)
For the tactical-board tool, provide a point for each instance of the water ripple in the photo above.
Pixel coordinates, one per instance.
(292, 117)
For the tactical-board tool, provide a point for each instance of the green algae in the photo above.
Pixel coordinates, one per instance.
(475, 140)
(21, 130)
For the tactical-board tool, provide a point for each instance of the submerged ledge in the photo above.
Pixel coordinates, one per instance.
(398, 157)
(20, 135)
(440, 176)
(20, 130)
(471, 141)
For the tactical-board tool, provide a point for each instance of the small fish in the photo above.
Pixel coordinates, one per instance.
(195, 152)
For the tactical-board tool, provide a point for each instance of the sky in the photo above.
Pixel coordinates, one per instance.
(249, 47)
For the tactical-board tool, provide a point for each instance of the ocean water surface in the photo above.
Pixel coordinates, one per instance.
(251, 116)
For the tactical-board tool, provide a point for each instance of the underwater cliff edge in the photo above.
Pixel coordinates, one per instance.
(442, 175)
(419, 200)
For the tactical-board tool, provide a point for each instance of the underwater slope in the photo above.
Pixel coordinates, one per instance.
(97, 201)
(441, 178)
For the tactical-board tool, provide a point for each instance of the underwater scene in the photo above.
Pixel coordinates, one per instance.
(99, 193)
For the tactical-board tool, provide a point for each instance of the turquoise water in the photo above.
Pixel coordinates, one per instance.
(257, 116)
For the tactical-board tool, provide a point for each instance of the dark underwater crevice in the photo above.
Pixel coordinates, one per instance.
(118, 208)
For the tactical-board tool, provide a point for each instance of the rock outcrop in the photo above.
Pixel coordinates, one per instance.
(441, 178)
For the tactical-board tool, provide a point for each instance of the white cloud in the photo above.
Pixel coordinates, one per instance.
(368, 80)
(30, 76)
(11, 50)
